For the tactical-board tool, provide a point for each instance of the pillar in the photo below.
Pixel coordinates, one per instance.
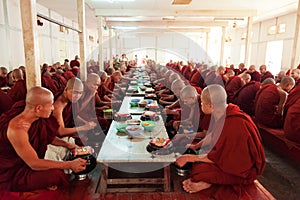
(82, 39)
(222, 45)
(296, 46)
(248, 40)
(100, 40)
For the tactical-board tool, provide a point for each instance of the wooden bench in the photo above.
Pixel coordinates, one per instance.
(276, 140)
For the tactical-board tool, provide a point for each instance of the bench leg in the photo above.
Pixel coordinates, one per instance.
(167, 182)
(102, 183)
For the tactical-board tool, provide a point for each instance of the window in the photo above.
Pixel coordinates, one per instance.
(272, 30)
(281, 28)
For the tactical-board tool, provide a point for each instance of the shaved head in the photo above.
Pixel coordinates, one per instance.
(17, 74)
(92, 77)
(38, 96)
(268, 81)
(74, 83)
(188, 92)
(215, 95)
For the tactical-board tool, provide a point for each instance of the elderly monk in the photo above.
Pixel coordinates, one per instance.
(19, 90)
(235, 155)
(270, 101)
(64, 113)
(24, 137)
(245, 96)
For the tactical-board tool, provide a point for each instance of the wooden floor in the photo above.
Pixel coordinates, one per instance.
(85, 190)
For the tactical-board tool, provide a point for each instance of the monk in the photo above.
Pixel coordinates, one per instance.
(75, 62)
(270, 100)
(5, 101)
(264, 73)
(255, 75)
(24, 137)
(245, 96)
(19, 90)
(176, 86)
(3, 77)
(234, 84)
(291, 123)
(64, 112)
(295, 74)
(235, 155)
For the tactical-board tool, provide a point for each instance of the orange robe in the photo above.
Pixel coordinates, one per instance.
(15, 174)
(238, 155)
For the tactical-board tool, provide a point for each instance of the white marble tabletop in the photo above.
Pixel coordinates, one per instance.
(126, 108)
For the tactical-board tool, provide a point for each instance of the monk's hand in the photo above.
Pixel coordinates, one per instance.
(191, 146)
(88, 126)
(78, 165)
(182, 160)
(176, 125)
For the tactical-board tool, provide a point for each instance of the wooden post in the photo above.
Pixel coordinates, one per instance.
(248, 40)
(296, 45)
(222, 45)
(82, 38)
(100, 42)
(30, 39)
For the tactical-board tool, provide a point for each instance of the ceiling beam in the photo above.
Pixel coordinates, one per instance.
(166, 24)
(158, 13)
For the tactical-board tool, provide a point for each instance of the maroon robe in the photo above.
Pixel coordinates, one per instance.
(48, 82)
(232, 86)
(15, 174)
(292, 123)
(266, 75)
(245, 97)
(3, 81)
(238, 155)
(74, 63)
(255, 76)
(18, 91)
(5, 102)
(293, 96)
(68, 75)
(60, 83)
(266, 105)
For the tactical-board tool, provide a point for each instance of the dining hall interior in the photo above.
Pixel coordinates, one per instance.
(115, 99)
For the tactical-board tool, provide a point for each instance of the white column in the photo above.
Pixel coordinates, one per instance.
(100, 39)
(30, 39)
(110, 44)
(296, 46)
(82, 38)
(116, 41)
(248, 40)
(206, 46)
(156, 44)
(222, 45)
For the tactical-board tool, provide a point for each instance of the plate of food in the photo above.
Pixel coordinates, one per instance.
(160, 146)
(122, 116)
(135, 131)
(149, 116)
(133, 122)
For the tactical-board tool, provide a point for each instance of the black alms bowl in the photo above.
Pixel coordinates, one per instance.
(90, 162)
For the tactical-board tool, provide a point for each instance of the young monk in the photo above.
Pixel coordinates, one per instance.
(64, 113)
(24, 137)
(233, 155)
(19, 90)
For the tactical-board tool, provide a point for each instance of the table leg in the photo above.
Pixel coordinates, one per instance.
(103, 179)
(167, 182)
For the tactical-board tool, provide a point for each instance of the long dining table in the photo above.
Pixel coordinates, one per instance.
(126, 165)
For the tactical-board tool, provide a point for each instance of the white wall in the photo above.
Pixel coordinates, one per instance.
(53, 45)
(260, 38)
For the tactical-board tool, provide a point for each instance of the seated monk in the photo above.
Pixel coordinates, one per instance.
(64, 112)
(26, 131)
(270, 100)
(191, 115)
(3, 77)
(264, 74)
(234, 84)
(19, 90)
(295, 74)
(255, 75)
(231, 154)
(87, 102)
(68, 74)
(5, 101)
(176, 86)
(245, 96)
(292, 123)
(293, 96)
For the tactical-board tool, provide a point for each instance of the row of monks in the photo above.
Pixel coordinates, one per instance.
(182, 91)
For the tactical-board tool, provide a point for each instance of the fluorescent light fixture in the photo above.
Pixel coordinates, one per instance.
(125, 27)
(168, 18)
(112, 1)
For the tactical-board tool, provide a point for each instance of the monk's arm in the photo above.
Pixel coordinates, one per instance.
(59, 142)
(182, 160)
(20, 142)
(176, 104)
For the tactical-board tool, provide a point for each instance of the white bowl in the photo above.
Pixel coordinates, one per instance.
(135, 130)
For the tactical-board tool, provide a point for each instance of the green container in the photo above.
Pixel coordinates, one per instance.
(148, 125)
(121, 128)
(133, 104)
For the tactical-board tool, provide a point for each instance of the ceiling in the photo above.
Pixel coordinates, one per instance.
(150, 13)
